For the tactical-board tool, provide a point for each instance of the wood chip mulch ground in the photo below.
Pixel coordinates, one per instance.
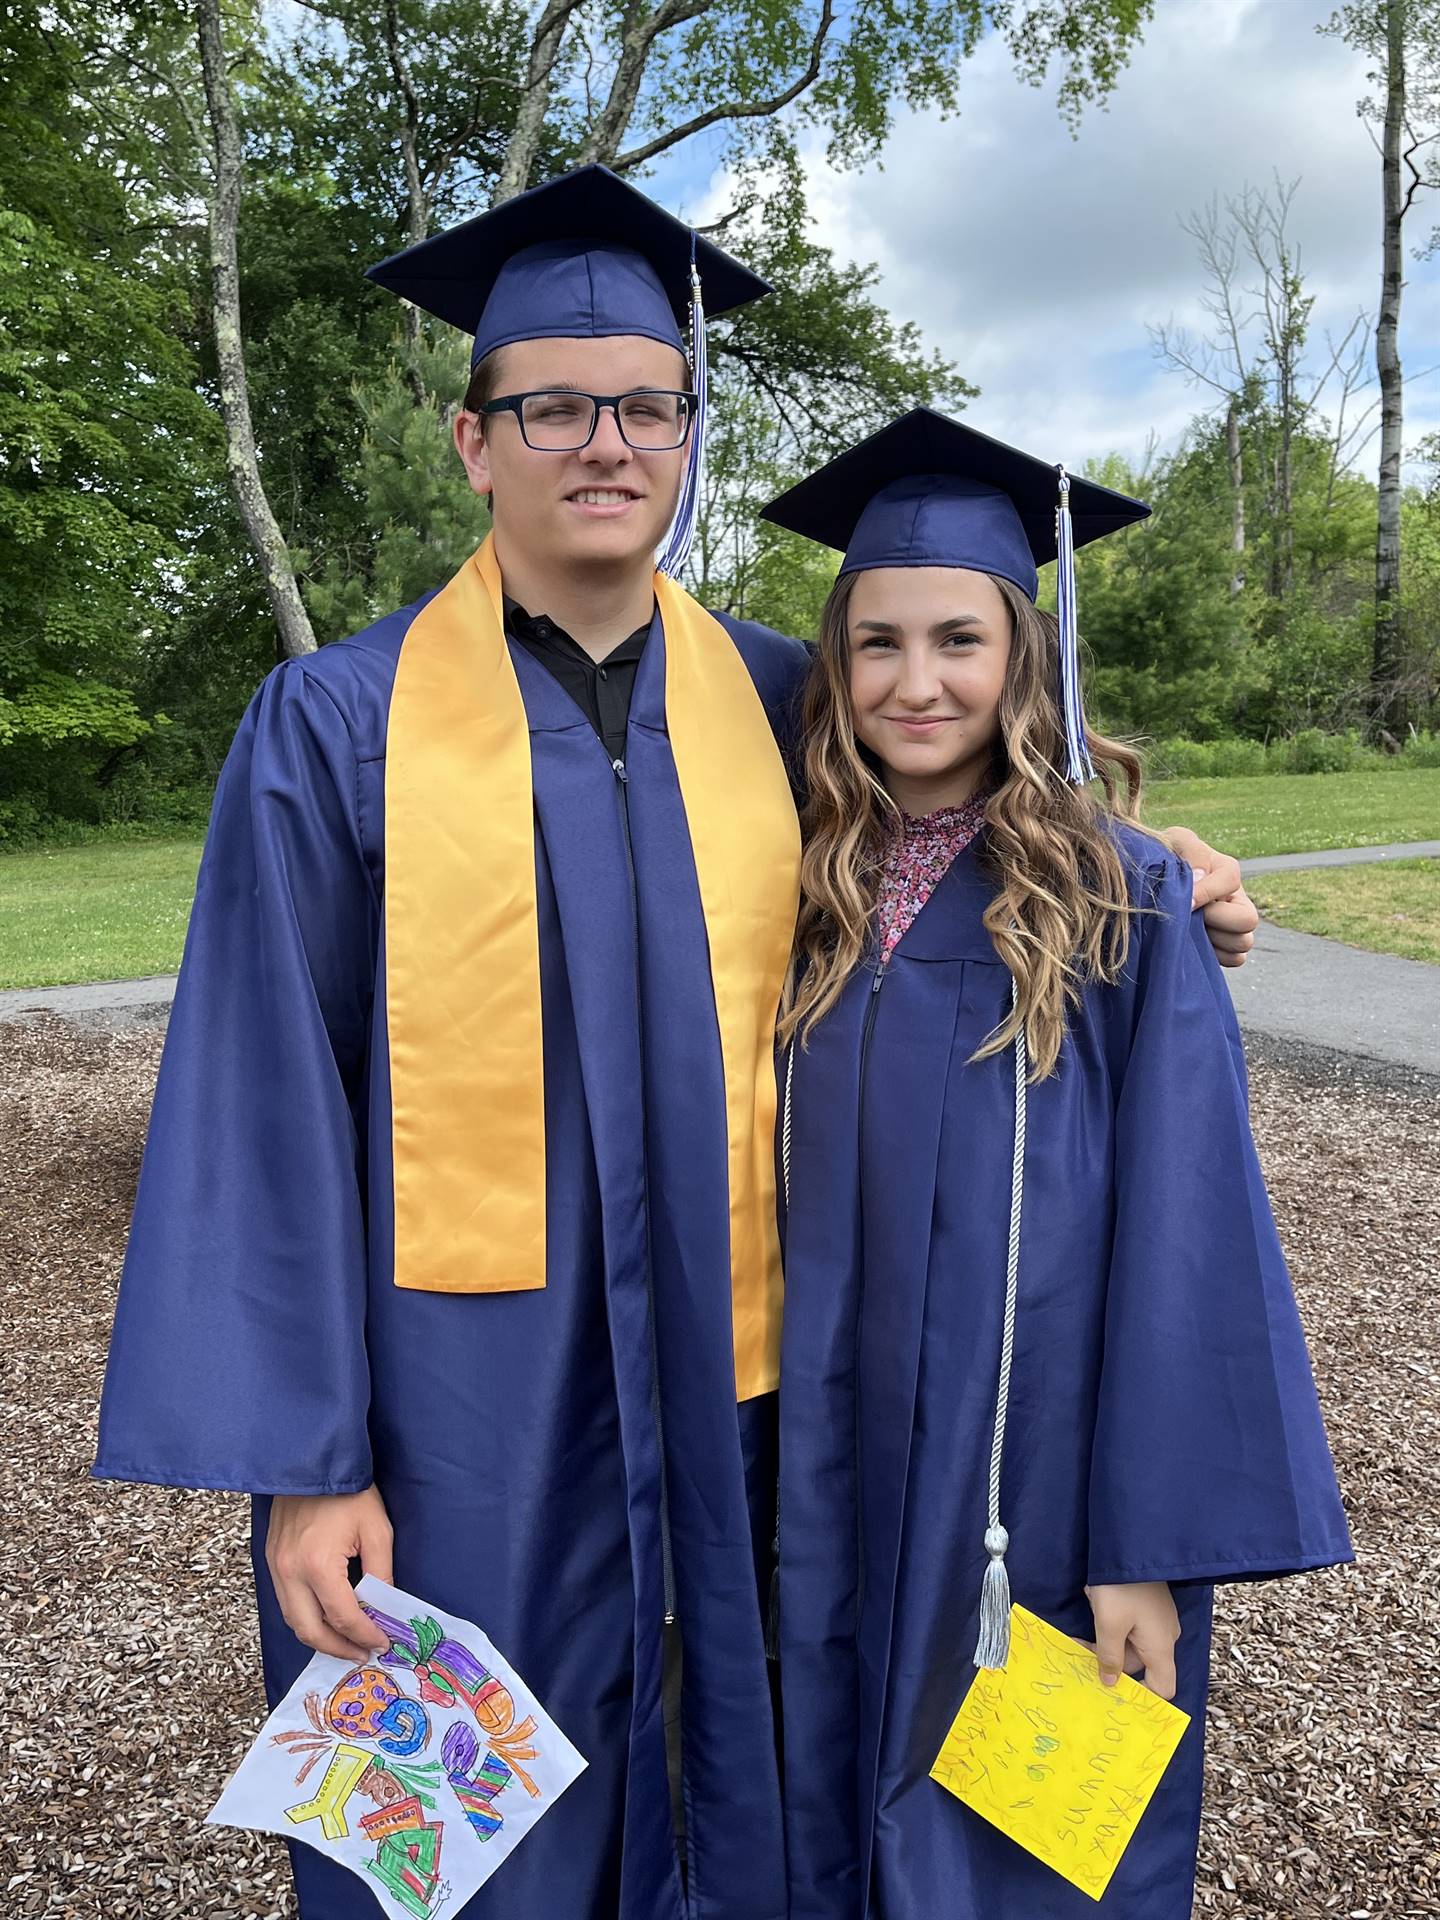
(131, 1662)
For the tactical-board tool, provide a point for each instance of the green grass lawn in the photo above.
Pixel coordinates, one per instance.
(1391, 907)
(116, 909)
(111, 910)
(1300, 812)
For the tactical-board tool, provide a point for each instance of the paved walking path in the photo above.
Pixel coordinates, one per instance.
(1295, 986)
(108, 1003)
(1343, 857)
(1298, 987)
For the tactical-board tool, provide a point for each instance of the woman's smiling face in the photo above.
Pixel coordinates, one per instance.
(929, 647)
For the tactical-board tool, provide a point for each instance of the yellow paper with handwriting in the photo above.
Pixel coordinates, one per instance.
(1060, 1763)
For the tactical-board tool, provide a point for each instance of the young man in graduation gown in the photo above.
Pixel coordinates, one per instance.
(455, 1241)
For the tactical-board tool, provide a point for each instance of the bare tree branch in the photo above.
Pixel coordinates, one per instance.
(1196, 364)
(745, 205)
(736, 109)
(782, 402)
(638, 35)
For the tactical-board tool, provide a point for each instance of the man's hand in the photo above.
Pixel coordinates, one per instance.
(1219, 893)
(309, 1547)
(1136, 1628)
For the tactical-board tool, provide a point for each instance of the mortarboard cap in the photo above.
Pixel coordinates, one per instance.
(928, 492)
(584, 256)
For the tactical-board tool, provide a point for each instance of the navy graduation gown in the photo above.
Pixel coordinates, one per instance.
(1163, 1423)
(261, 1345)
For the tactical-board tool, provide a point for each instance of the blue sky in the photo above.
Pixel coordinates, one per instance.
(1035, 261)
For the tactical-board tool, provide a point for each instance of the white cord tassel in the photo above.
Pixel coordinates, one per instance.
(1079, 767)
(682, 529)
(785, 1124)
(993, 1646)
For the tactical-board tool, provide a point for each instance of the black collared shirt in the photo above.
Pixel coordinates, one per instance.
(601, 689)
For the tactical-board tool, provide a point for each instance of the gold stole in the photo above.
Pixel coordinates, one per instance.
(462, 949)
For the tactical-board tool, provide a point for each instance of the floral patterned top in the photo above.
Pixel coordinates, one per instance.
(918, 859)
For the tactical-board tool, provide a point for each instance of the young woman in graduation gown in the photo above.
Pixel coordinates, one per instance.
(1008, 1035)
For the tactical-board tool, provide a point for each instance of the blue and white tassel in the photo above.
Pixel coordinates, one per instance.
(1079, 766)
(993, 1646)
(682, 529)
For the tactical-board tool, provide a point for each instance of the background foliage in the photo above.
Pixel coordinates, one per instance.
(133, 620)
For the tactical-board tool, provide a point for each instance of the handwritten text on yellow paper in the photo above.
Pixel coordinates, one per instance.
(1062, 1764)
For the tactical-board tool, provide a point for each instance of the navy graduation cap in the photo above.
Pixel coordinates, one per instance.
(585, 256)
(928, 492)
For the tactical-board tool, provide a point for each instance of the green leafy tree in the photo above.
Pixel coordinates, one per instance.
(356, 128)
(421, 519)
(1177, 651)
(1168, 639)
(608, 80)
(103, 438)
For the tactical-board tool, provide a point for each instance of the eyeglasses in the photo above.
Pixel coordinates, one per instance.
(558, 420)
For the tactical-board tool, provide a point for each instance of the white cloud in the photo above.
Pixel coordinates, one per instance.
(1035, 262)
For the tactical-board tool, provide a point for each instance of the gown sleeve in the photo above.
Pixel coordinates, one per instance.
(1210, 1459)
(238, 1356)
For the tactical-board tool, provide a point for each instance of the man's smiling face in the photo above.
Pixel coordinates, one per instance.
(603, 504)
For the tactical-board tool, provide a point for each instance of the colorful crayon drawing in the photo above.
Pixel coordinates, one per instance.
(406, 1760)
(448, 1672)
(407, 1864)
(475, 1785)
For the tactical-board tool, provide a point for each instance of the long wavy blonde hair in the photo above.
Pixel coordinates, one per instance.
(1061, 915)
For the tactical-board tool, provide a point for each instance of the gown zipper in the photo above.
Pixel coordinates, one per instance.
(667, 1562)
(869, 1027)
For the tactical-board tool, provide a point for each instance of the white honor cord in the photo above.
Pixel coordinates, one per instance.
(785, 1124)
(993, 1646)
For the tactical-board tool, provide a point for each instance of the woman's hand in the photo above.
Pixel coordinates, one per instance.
(1136, 1628)
(311, 1542)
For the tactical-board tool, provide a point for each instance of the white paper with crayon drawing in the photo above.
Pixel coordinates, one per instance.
(420, 1770)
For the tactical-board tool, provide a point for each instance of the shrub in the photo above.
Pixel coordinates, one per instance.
(1312, 751)
(1230, 757)
(1178, 759)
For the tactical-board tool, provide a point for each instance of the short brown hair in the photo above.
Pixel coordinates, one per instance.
(484, 382)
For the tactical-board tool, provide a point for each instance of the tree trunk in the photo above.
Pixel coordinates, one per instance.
(242, 463)
(534, 99)
(417, 205)
(1287, 483)
(639, 32)
(1387, 664)
(1237, 493)
(602, 143)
